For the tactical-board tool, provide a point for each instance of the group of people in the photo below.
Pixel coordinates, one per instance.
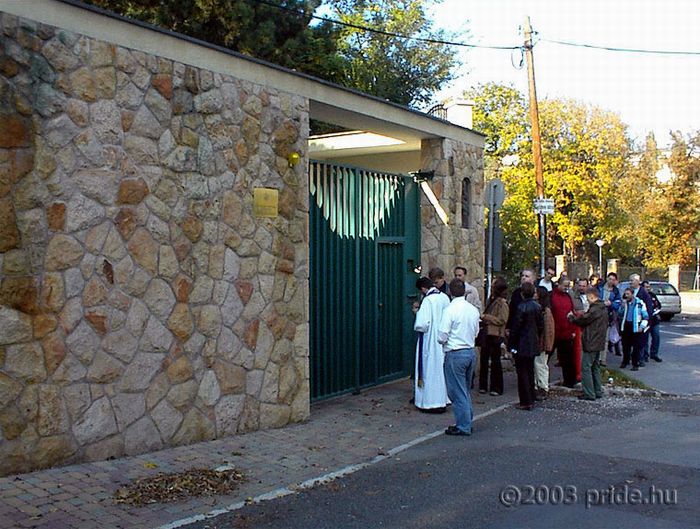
(582, 326)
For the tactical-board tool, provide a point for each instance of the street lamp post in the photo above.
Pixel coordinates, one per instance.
(600, 243)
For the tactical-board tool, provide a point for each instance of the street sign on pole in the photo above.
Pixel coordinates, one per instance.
(496, 193)
(543, 206)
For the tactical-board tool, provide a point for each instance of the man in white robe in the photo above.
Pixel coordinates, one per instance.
(430, 389)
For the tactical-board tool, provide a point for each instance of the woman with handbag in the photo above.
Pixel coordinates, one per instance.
(494, 321)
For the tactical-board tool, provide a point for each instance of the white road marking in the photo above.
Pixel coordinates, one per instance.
(693, 336)
(313, 482)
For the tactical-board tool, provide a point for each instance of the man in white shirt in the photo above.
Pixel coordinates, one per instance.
(430, 393)
(457, 333)
(471, 294)
(546, 281)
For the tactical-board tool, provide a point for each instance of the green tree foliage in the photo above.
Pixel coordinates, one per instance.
(253, 28)
(670, 219)
(637, 187)
(500, 112)
(404, 71)
(585, 154)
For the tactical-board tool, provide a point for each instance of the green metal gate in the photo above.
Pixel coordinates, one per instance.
(364, 246)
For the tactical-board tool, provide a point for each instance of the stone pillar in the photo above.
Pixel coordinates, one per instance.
(674, 275)
(451, 245)
(613, 265)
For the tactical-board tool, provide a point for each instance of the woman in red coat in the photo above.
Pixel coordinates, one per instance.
(564, 330)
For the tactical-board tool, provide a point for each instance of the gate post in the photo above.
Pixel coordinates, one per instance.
(560, 265)
(674, 276)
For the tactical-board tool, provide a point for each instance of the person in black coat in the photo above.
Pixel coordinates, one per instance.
(526, 276)
(528, 325)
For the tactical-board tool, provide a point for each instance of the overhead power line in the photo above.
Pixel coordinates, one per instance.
(626, 50)
(383, 32)
(470, 45)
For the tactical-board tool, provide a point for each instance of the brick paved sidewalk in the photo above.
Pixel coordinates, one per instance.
(341, 432)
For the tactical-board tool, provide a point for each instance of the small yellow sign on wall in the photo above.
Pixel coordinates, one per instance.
(265, 202)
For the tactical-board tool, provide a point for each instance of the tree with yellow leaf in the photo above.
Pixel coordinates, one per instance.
(585, 153)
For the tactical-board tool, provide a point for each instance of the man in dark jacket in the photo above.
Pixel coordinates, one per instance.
(654, 320)
(526, 276)
(524, 341)
(595, 326)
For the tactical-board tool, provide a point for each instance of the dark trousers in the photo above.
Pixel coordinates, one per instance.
(632, 345)
(490, 354)
(525, 368)
(565, 354)
(614, 347)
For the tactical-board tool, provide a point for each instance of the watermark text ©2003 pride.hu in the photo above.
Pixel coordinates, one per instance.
(512, 495)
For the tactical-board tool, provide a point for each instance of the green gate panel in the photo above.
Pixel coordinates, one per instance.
(361, 276)
(390, 305)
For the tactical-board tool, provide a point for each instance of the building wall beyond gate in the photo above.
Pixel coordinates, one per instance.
(142, 305)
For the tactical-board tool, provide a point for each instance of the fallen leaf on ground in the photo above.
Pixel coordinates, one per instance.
(163, 488)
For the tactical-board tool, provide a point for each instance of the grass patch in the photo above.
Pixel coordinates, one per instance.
(620, 378)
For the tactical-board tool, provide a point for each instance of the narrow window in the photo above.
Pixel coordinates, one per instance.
(466, 202)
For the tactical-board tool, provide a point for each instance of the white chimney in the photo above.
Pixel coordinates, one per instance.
(459, 111)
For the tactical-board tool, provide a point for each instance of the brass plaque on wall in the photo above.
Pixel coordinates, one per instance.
(265, 202)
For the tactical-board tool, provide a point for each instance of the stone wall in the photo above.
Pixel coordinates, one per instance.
(451, 245)
(142, 305)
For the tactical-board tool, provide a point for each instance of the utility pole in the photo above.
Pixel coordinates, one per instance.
(536, 142)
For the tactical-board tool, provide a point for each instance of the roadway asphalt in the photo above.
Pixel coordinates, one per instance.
(567, 451)
(571, 453)
(679, 373)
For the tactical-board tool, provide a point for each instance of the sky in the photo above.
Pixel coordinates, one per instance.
(650, 92)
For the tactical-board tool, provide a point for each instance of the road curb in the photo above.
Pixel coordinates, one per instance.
(618, 391)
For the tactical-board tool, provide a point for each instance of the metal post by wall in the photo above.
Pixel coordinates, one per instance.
(495, 195)
(489, 253)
